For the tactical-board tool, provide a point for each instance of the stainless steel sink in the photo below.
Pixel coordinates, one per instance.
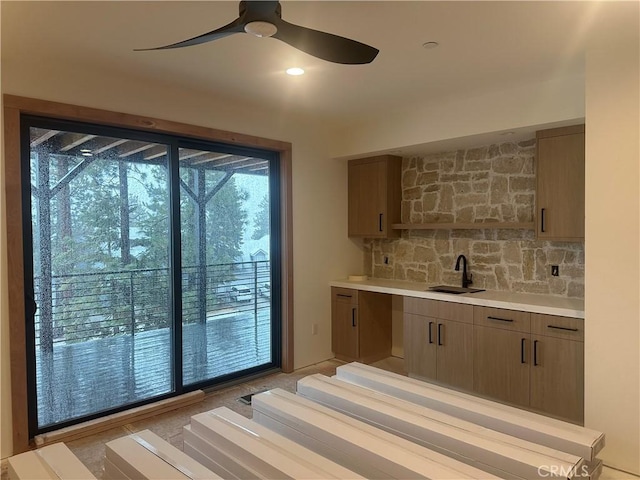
(454, 290)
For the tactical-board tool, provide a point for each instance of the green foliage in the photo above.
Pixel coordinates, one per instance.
(88, 240)
(153, 237)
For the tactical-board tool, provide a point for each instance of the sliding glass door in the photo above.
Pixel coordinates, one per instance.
(149, 267)
(226, 269)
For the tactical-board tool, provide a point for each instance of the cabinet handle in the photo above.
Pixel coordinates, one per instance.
(542, 219)
(430, 336)
(563, 328)
(380, 222)
(501, 319)
(522, 357)
(353, 317)
(439, 334)
(343, 295)
(535, 353)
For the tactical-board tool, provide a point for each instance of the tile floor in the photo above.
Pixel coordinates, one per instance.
(91, 450)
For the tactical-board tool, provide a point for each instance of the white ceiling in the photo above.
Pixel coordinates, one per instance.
(484, 46)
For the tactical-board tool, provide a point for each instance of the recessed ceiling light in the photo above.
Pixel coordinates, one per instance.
(295, 71)
(87, 154)
(85, 150)
(430, 45)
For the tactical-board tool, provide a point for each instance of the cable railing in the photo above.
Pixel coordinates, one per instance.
(87, 306)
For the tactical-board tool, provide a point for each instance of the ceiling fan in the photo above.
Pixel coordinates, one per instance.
(264, 19)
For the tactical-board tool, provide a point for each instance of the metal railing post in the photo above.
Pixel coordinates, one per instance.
(255, 292)
(133, 305)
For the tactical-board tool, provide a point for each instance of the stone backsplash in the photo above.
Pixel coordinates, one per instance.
(494, 183)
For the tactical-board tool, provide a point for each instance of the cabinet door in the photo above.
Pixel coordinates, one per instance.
(501, 364)
(557, 377)
(455, 354)
(367, 198)
(560, 186)
(374, 329)
(375, 196)
(420, 346)
(344, 324)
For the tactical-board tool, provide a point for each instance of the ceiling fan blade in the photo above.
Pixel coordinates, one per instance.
(237, 26)
(324, 45)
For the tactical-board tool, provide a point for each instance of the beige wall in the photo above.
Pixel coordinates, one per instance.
(524, 106)
(322, 251)
(612, 284)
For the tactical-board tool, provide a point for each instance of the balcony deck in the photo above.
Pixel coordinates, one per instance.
(86, 377)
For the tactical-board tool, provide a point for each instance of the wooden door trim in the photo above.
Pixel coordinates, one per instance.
(14, 107)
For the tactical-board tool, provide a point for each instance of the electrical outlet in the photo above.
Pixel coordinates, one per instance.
(314, 329)
(555, 270)
(386, 260)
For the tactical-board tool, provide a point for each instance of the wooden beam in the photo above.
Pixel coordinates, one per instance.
(215, 156)
(41, 136)
(193, 154)
(111, 143)
(224, 163)
(139, 148)
(72, 140)
(156, 152)
(249, 163)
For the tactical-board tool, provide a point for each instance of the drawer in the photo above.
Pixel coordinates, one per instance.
(502, 318)
(421, 306)
(558, 327)
(458, 312)
(344, 295)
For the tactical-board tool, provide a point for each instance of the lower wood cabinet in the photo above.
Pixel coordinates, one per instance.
(501, 354)
(419, 347)
(360, 325)
(557, 366)
(529, 360)
(455, 358)
(501, 367)
(438, 340)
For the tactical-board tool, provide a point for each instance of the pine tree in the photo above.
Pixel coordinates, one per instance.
(261, 220)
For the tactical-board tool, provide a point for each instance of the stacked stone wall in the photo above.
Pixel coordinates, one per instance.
(489, 184)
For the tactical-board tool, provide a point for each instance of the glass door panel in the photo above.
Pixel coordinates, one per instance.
(100, 248)
(226, 264)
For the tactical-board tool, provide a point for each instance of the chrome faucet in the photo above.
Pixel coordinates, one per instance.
(466, 281)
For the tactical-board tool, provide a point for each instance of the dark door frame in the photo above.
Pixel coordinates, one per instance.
(14, 107)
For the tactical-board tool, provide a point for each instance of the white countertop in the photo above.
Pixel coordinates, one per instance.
(526, 302)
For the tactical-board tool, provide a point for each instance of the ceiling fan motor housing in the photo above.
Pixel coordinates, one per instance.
(264, 19)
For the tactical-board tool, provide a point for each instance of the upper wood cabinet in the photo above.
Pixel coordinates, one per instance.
(374, 196)
(560, 184)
